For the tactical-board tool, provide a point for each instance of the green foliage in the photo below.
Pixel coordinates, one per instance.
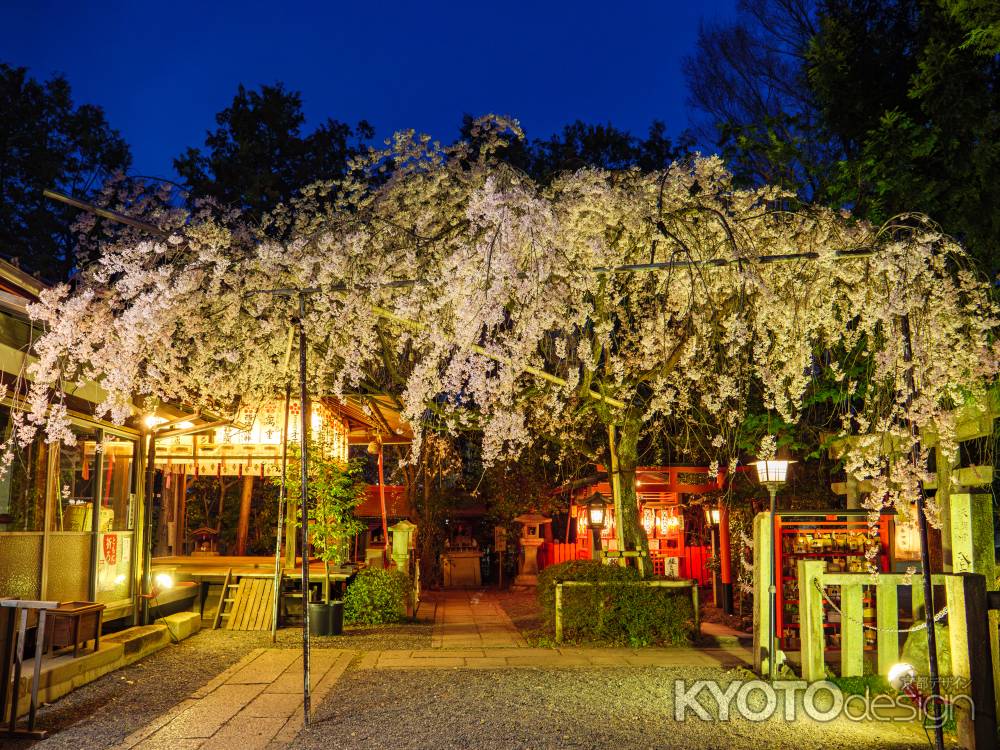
(377, 596)
(335, 490)
(980, 19)
(881, 107)
(617, 611)
(46, 142)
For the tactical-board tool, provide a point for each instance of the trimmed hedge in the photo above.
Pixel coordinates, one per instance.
(376, 596)
(617, 611)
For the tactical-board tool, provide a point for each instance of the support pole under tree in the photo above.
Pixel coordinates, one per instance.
(304, 504)
(616, 493)
(925, 556)
(281, 520)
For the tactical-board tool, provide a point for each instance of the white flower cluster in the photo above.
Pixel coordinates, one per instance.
(511, 279)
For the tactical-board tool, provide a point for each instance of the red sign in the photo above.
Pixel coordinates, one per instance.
(111, 549)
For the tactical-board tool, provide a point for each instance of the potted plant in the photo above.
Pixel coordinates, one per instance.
(335, 490)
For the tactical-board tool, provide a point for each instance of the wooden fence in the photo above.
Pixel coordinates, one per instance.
(972, 633)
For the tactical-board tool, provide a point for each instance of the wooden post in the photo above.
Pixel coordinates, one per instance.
(887, 620)
(559, 625)
(243, 526)
(852, 635)
(761, 583)
(811, 619)
(968, 616)
(971, 530)
(694, 603)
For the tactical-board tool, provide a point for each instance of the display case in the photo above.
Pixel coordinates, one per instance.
(841, 539)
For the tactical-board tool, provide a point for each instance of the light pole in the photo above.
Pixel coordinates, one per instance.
(597, 508)
(772, 474)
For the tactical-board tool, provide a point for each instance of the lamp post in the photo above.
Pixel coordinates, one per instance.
(772, 474)
(597, 508)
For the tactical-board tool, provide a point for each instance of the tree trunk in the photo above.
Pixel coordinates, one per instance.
(633, 534)
(243, 526)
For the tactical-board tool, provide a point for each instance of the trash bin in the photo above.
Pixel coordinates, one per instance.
(336, 618)
(319, 618)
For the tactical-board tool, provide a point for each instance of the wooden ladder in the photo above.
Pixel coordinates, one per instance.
(226, 597)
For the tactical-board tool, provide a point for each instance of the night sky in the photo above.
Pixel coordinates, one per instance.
(161, 70)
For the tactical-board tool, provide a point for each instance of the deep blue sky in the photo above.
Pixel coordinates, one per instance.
(161, 70)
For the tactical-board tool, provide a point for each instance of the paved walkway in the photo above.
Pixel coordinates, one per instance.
(472, 619)
(257, 703)
(254, 705)
(556, 658)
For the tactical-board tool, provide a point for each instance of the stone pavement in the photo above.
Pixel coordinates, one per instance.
(257, 703)
(556, 658)
(472, 619)
(254, 705)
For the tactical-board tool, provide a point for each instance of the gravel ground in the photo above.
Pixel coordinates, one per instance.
(106, 711)
(552, 708)
(103, 713)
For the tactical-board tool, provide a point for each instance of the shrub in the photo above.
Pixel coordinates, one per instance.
(618, 611)
(377, 596)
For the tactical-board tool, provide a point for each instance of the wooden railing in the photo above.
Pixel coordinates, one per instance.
(964, 607)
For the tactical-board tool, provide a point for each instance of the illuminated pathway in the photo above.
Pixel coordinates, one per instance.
(472, 619)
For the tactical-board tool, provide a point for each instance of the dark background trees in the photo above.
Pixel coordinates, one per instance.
(259, 156)
(48, 141)
(880, 106)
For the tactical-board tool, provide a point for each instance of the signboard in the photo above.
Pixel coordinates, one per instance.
(500, 538)
(113, 562)
(672, 567)
(907, 542)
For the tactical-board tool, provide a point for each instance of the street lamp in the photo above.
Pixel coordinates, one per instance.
(597, 508)
(772, 474)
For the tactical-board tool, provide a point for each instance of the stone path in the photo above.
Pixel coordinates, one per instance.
(257, 703)
(254, 705)
(472, 619)
(549, 658)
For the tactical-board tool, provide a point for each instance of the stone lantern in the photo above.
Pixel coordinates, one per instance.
(532, 537)
(403, 538)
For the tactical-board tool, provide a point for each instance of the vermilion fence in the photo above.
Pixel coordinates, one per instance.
(692, 561)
